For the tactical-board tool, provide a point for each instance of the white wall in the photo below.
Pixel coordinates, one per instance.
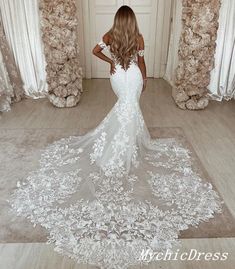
(162, 36)
(81, 41)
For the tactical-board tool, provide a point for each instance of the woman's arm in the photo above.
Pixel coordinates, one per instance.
(141, 62)
(97, 51)
(142, 66)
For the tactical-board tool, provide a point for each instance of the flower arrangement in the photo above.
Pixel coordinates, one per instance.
(59, 35)
(196, 53)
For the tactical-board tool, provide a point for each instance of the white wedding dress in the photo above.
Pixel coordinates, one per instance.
(108, 195)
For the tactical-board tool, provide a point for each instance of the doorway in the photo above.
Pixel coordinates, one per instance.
(154, 18)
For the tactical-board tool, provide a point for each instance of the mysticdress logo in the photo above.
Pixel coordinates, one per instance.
(148, 255)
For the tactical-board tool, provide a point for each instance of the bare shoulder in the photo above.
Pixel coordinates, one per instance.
(107, 38)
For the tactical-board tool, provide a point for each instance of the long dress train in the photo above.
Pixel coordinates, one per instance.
(108, 195)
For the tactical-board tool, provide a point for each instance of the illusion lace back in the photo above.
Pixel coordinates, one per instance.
(108, 195)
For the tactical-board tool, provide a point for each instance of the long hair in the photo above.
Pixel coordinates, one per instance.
(124, 34)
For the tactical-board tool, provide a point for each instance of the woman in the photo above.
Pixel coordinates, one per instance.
(110, 194)
(121, 45)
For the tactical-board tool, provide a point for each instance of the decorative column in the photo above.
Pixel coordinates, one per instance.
(59, 34)
(11, 84)
(196, 53)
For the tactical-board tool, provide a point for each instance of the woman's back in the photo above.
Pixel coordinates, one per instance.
(106, 43)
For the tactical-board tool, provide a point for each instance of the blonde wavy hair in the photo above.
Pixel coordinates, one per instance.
(124, 35)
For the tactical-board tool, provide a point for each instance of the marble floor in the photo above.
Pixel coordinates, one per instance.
(211, 133)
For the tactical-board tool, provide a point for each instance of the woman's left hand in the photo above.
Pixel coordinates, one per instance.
(112, 68)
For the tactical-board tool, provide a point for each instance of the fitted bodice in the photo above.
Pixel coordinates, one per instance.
(133, 58)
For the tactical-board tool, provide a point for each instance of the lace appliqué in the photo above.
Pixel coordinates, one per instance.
(113, 222)
(122, 143)
(141, 53)
(108, 195)
(98, 147)
(103, 45)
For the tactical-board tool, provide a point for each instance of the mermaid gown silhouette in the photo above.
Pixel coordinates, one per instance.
(106, 196)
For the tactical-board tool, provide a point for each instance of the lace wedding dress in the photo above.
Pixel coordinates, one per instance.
(108, 195)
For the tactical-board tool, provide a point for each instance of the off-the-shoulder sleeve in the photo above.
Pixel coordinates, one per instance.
(141, 53)
(102, 45)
